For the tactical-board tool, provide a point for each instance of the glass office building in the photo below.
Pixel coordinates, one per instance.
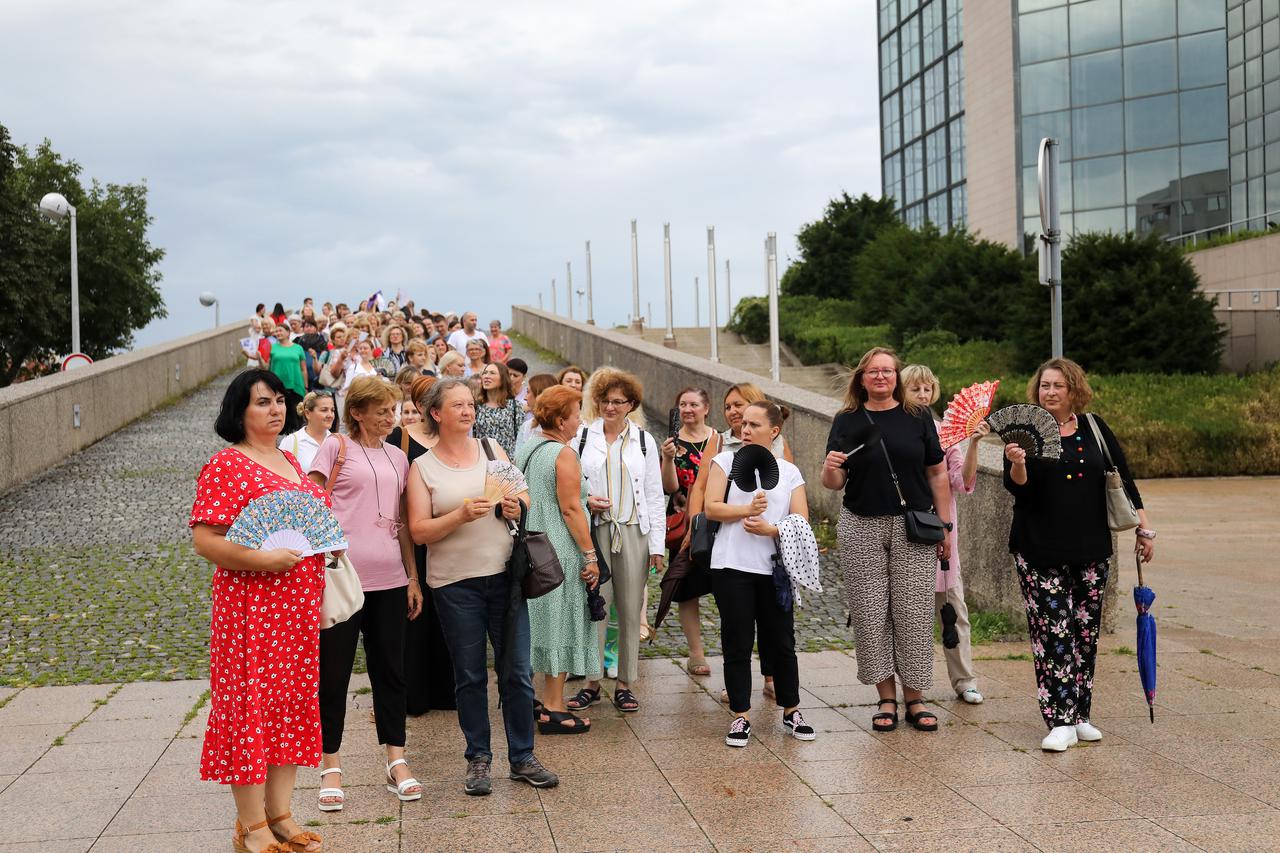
(922, 109)
(1253, 109)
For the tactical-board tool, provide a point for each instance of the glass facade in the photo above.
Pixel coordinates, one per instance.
(1253, 109)
(922, 109)
(1136, 92)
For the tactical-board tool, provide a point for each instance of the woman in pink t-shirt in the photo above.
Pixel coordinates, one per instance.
(368, 491)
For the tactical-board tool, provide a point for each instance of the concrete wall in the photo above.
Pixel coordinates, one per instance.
(37, 428)
(985, 516)
(991, 133)
(1253, 328)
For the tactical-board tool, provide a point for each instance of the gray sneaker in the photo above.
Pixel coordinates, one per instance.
(534, 773)
(478, 783)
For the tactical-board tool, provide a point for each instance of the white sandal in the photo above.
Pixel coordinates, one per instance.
(398, 789)
(331, 792)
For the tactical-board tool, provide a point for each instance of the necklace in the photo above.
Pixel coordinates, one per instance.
(393, 525)
(1070, 420)
(455, 465)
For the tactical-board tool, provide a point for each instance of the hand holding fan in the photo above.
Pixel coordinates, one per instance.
(754, 467)
(1030, 427)
(288, 519)
(965, 411)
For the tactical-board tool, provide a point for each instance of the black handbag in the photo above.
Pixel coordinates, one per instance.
(534, 563)
(924, 527)
(703, 536)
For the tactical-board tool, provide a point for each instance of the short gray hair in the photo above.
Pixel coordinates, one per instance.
(434, 400)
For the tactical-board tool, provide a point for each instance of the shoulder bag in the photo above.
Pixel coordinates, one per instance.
(702, 538)
(924, 527)
(534, 562)
(1121, 514)
(343, 595)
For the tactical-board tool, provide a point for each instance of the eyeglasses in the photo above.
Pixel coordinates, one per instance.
(879, 372)
(617, 404)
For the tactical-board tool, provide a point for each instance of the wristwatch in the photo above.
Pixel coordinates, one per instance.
(1146, 534)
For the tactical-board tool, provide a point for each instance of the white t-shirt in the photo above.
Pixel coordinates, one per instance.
(735, 548)
(302, 446)
(458, 340)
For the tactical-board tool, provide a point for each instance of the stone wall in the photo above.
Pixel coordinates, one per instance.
(990, 583)
(38, 418)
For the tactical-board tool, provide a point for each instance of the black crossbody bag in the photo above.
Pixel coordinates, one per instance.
(924, 527)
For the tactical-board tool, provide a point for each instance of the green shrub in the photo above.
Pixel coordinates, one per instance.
(839, 344)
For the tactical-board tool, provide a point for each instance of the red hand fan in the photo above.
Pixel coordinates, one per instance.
(966, 409)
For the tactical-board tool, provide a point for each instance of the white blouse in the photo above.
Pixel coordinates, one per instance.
(302, 446)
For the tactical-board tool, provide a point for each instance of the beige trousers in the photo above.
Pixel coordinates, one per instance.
(626, 592)
(959, 659)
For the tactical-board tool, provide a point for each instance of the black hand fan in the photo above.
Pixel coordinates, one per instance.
(673, 423)
(1030, 427)
(754, 467)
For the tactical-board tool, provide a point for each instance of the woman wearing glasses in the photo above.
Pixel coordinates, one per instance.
(368, 489)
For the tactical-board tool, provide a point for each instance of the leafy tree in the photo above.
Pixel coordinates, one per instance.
(119, 280)
(830, 246)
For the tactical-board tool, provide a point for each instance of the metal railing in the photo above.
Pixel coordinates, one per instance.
(1254, 301)
(1259, 222)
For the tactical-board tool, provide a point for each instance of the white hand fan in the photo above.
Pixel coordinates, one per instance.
(503, 479)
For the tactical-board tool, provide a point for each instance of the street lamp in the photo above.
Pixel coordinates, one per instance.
(208, 300)
(55, 207)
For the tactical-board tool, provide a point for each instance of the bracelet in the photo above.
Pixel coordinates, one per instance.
(590, 560)
(589, 555)
(1146, 534)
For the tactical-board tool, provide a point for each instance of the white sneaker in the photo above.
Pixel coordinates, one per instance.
(1060, 739)
(1087, 731)
(972, 696)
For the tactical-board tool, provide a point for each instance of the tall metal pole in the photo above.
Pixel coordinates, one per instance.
(697, 304)
(75, 286)
(728, 293)
(771, 274)
(636, 321)
(568, 285)
(553, 297)
(591, 314)
(669, 339)
(711, 292)
(1050, 244)
(539, 301)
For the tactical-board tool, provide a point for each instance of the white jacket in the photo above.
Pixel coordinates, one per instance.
(645, 468)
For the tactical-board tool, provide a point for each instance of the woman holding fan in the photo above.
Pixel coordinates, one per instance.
(469, 548)
(1061, 546)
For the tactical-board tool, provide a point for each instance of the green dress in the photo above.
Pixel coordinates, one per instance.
(562, 635)
(287, 362)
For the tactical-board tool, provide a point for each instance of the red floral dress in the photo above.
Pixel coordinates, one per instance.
(264, 643)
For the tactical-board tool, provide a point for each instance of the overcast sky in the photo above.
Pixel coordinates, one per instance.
(462, 152)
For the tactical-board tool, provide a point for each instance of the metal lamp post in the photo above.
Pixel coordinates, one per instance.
(669, 339)
(208, 300)
(568, 285)
(771, 273)
(55, 207)
(711, 292)
(637, 321)
(591, 316)
(1050, 244)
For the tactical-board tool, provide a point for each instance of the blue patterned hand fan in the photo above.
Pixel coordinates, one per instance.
(288, 519)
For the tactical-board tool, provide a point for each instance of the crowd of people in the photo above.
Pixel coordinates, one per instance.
(394, 417)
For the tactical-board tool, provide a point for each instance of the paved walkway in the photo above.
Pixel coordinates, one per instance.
(112, 767)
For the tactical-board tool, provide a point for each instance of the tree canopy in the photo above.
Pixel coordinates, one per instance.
(119, 279)
(829, 247)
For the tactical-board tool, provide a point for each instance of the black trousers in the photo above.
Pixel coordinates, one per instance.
(382, 621)
(746, 602)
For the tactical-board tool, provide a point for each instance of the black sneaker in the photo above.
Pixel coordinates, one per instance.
(796, 726)
(535, 774)
(478, 783)
(739, 732)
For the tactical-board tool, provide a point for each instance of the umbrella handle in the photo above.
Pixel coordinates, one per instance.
(1137, 560)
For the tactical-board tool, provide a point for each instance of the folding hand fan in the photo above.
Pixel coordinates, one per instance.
(964, 412)
(1030, 427)
(754, 467)
(501, 480)
(288, 519)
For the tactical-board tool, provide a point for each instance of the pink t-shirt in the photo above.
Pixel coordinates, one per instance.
(375, 550)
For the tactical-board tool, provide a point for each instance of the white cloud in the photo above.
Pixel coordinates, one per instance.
(460, 151)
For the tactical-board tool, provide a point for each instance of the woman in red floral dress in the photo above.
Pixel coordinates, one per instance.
(264, 644)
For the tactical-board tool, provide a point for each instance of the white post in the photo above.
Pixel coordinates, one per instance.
(649, 314)
(711, 292)
(539, 300)
(75, 286)
(771, 274)
(669, 339)
(553, 297)
(568, 286)
(728, 293)
(636, 322)
(1050, 245)
(591, 316)
(697, 304)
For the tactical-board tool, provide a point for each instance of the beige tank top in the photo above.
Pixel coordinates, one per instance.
(478, 548)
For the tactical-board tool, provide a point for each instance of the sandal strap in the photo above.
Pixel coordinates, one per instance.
(337, 770)
(395, 764)
(272, 821)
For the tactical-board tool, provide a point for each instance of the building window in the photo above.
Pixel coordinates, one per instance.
(957, 149)
(935, 96)
(1095, 25)
(955, 82)
(935, 159)
(910, 39)
(892, 125)
(911, 110)
(959, 207)
(913, 173)
(889, 64)
(954, 8)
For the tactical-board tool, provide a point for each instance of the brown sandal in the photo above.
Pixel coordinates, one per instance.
(299, 842)
(238, 845)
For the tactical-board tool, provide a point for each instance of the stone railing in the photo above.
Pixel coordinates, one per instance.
(45, 420)
(985, 516)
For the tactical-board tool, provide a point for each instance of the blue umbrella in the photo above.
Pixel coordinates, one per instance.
(1143, 598)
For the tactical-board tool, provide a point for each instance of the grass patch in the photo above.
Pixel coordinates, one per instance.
(824, 531)
(195, 709)
(1010, 656)
(540, 351)
(1124, 651)
(385, 819)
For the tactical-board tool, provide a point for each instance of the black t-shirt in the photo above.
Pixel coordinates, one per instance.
(912, 442)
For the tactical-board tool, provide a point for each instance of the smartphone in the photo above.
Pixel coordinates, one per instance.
(364, 336)
(673, 423)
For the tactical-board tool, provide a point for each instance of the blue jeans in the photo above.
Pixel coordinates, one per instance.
(471, 610)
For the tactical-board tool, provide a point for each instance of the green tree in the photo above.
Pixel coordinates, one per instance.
(829, 247)
(119, 279)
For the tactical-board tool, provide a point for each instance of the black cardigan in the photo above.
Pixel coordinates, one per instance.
(1060, 514)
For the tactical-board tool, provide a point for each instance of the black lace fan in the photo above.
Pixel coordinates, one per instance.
(754, 467)
(1030, 427)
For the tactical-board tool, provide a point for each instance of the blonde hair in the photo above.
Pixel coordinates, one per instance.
(448, 360)
(386, 336)
(366, 391)
(597, 386)
(855, 393)
(309, 402)
(919, 374)
(1077, 383)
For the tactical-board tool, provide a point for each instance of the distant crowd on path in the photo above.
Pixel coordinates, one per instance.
(394, 418)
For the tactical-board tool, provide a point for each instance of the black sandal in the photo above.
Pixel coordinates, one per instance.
(538, 710)
(553, 725)
(584, 699)
(885, 715)
(914, 719)
(624, 700)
